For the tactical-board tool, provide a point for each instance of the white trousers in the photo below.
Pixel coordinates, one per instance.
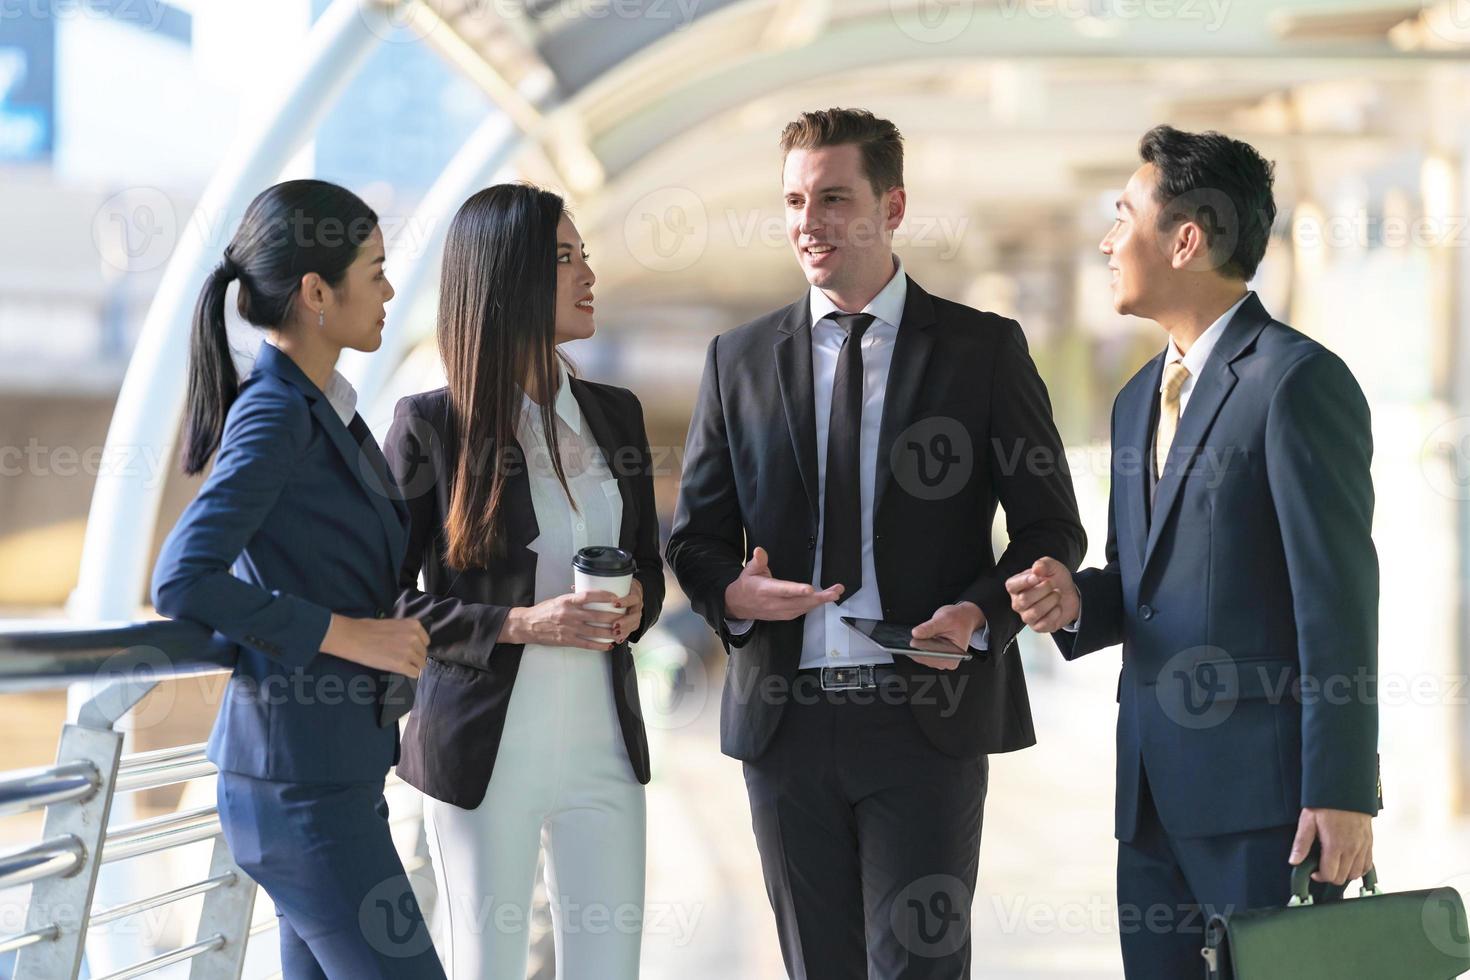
(561, 781)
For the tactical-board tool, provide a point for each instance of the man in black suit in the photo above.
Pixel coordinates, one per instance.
(845, 458)
(1241, 576)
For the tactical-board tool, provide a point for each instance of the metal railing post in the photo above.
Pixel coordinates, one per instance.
(66, 902)
(226, 913)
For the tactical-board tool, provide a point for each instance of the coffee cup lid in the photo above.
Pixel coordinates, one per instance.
(604, 560)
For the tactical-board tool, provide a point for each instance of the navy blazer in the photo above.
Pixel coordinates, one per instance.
(1246, 596)
(301, 505)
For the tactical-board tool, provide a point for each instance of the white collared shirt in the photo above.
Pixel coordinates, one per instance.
(1199, 353)
(342, 396)
(598, 517)
(826, 641)
(339, 391)
(1194, 363)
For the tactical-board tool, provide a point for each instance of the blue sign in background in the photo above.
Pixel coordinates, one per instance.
(27, 87)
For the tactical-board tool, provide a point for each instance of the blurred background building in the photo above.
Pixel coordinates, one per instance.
(133, 131)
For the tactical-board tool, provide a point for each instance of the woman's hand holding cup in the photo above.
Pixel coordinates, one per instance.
(633, 617)
(610, 569)
(606, 607)
(571, 620)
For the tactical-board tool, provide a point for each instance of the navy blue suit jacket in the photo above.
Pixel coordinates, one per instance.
(304, 509)
(1246, 595)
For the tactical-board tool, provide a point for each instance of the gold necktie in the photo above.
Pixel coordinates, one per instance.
(1174, 375)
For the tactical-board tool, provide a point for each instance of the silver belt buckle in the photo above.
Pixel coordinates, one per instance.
(847, 678)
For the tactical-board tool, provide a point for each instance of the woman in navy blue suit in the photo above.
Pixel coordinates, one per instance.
(301, 504)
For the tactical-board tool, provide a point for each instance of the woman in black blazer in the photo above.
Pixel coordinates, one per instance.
(526, 726)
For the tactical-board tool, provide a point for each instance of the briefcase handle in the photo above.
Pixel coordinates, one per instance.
(1301, 880)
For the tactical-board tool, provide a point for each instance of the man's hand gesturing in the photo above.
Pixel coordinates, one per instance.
(757, 595)
(1045, 596)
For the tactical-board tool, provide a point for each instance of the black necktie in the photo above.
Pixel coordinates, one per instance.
(842, 515)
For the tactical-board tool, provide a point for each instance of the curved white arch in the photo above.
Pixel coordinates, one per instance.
(124, 511)
(123, 515)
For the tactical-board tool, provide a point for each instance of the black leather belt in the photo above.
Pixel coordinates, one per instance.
(858, 677)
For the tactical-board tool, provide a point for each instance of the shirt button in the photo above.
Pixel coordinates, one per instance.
(831, 653)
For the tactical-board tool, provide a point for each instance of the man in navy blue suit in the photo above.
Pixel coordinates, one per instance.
(1241, 577)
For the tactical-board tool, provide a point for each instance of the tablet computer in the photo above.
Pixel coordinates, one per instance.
(897, 638)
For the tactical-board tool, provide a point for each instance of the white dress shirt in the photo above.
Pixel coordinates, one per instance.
(339, 391)
(1199, 354)
(598, 518)
(342, 396)
(1194, 363)
(826, 642)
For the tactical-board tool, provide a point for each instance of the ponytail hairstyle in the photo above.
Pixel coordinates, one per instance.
(289, 230)
(497, 331)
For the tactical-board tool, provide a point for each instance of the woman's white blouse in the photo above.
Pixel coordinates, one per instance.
(598, 518)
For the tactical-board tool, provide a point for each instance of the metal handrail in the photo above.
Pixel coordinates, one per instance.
(57, 857)
(121, 663)
(163, 767)
(159, 776)
(160, 833)
(12, 943)
(163, 898)
(159, 757)
(179, 955)
(31, 789)
(160, 649)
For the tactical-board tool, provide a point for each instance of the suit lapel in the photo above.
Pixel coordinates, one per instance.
(602, 432)
(518, 522)
(793, 354)
(1133, 433)
(911, 352)
(366, 462)
(359, 451)
(1215, 383)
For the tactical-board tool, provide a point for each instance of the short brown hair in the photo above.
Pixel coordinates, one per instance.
(878, 141)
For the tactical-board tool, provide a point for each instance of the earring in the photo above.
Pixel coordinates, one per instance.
(321, 319)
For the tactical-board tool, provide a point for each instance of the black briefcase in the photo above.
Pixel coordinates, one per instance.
(1400, 936)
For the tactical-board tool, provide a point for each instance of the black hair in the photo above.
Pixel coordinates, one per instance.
(289, 230)
(1223, 185)
(496, 329)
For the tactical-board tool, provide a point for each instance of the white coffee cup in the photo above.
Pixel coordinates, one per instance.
(602, 568)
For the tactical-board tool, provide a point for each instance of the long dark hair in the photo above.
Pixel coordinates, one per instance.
(497, 329)
(293, 228)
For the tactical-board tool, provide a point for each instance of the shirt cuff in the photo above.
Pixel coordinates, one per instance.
(980, 639)
(1075, 624)
(739, 627)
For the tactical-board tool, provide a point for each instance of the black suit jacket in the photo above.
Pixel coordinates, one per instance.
(966, 425)
(1247, 604)
(453, 732)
